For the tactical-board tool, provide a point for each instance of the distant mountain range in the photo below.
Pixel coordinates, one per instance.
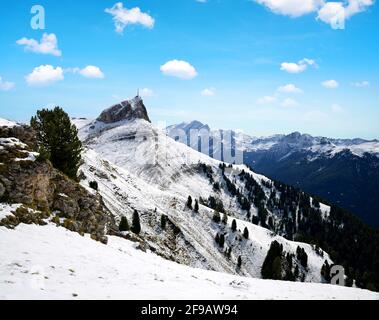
(343, 171)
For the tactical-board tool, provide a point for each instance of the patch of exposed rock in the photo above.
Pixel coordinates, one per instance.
(44, 192)
(126, 110)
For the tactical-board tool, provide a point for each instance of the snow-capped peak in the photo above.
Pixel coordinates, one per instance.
(7, 123)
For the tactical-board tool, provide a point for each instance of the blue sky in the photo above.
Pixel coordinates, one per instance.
(222, 63)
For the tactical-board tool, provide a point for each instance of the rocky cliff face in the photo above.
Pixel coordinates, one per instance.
(126, 110)
(41, 192)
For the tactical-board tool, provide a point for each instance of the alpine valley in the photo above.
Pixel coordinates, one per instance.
(206, 229)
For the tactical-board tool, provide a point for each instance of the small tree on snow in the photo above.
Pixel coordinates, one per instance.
(124, 225)
(189, 202)
(246, 233)
(234, 225)
(136, 226)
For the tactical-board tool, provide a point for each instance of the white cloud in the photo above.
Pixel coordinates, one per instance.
(266, 100)
(293, 8)
(6, 85)
(335, 13)
(92, 72)
(208, 92)
(47, 45)
(290, 88)
(331, 12)
(146, 92)
(123, 17)
(301, 66)
(330, 84)
(44, 75)
(336, 108)
(361, 84)
(289, 103)
(180, 69)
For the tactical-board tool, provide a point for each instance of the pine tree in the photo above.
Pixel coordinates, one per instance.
(234, 225)
(196, 206)
(222, 240)
(58, 140)
(163, 222)
(189, 202)
(217, 239)
(224, 218)
(124, 225)
(246, 233)
(216, 217)
(239, 263)
(136, 226)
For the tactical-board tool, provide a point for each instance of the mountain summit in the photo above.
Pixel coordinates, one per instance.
(126, 110)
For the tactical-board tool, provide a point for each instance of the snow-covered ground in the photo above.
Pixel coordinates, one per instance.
(54, 263)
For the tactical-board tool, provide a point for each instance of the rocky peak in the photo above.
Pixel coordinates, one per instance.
(126, 110)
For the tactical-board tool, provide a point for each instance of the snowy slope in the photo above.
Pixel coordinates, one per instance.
(6, 123)
(54, 263)
(138, 167)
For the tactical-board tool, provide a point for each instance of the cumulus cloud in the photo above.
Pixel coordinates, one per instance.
(301, 66)
(361, 84)
(6, 85)
(47, 45)
(44, 75)
(290, 88)
(92, 72)
(208, 92)
(266, 100)
(179, 69)
(146, 92)
(123, 17)
(289, 103)
(330, 84)
(333, 12)
(293, 8)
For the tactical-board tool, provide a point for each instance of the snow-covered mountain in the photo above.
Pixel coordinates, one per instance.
(343, 171)
(137, 167)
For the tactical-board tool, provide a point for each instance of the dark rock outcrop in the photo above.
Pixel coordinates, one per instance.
(43, 191)
(126, 110)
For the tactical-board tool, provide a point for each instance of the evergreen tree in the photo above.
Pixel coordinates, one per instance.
(217, 238)
(163, 222)
(94, 185)
(136, 226)
(189, 202)
(58, 140)
(222, 240)
(216, 217)
(196, 206)
(272, 265)
(239, 263)
(234, 225)
(224, 218)
(246, 233)
(124, 225)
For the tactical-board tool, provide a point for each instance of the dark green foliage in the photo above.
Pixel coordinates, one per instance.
(189, 202)
(136, 226)
(124, 225)
(216, 204)
(163, 222)
(216, 217)
(58, 140)
(272, 266)
(196, 208)
(325, 271)
(239, 263)
(224, 219)
(94, 185)
(234, 225)
(222, 240)
(246, 233)
(302, 257)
